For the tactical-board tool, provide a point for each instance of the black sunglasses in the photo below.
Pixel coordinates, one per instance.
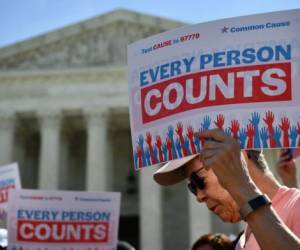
(196, 182)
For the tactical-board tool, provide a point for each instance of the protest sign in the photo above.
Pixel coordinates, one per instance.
(9, 179)
(238, 74)
(59, 220)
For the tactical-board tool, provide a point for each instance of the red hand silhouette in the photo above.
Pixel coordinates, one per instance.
(220, 121)
(285, 125)
(169, 147)
(190, 132)
(235, 127)
(139, 153)
(158, 145)
(179, 128)
(250, 134)
(269, 119)
(190, 135)
(149, 139)
(179, 131)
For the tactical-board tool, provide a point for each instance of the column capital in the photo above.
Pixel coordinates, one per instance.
(7, 128)
(96, 116)
(7, 119)
(49, 117)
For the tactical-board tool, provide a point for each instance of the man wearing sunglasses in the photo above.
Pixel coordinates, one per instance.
(238, 185)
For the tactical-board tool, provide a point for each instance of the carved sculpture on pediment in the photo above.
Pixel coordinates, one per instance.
(77, 54)
(103, 46)
(99, 50)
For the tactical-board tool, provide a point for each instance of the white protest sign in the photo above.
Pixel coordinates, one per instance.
(238, 74)
(60, 220)
(9, 179)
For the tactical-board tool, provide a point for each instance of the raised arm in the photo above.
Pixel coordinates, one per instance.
(222, 154)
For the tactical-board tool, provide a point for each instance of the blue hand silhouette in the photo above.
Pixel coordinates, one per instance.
(243, 137)
(178, 147)
(148, 156)
(155, 154)
(170, 135)
(293, 136)
(255, 118)
(255, 121)
(277, 136)
(264, 135)
(135, 160)
(206, 123)
(227, 131)
(186, 143)
(170, 132)
(165, 151)
(197, 142)
(141, 141)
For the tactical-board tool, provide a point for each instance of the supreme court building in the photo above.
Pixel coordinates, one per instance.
(64, 118)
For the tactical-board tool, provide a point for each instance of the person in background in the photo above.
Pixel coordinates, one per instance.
(212, 242)
(286, 168)
(238, 185)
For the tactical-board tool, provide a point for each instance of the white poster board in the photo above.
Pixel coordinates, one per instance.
(59, 220)
(9, 179)
(238, 74)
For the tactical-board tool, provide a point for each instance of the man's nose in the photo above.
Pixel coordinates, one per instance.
(201, 195)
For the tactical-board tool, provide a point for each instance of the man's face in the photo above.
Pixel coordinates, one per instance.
(217, 199)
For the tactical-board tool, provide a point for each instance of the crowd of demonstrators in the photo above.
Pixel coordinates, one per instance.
(212, 242)
(238, 185)
(286, 168)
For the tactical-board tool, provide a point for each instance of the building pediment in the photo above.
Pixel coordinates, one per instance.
(100, 41)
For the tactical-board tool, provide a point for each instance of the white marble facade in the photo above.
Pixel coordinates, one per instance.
(64, 118)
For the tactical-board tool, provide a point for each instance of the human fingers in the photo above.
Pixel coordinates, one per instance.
(210, 159)
(287, 165)
(285, 157)
(215, 134)
(212, 144)
(209, 153)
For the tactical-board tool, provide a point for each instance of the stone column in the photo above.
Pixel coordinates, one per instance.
(96, 175)
(7, 129)
(200, 219)
(151, 221)
(50, 122)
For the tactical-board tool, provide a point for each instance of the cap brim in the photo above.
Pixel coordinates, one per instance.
(173, 171)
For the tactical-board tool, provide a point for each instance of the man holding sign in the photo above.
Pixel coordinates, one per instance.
(238, 185)
(236, 82)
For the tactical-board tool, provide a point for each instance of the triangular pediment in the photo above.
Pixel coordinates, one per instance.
(100, 41)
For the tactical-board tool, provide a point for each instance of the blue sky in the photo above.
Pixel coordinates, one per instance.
(22, 19)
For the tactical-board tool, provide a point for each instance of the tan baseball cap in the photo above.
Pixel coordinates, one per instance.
(173, 171)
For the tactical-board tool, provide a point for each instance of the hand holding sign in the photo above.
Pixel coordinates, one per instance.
(222, 154)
